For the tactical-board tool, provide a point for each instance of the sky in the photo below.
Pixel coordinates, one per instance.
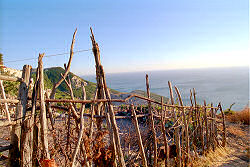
(132, 35)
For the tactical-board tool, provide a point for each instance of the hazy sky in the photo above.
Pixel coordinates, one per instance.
(132, 35)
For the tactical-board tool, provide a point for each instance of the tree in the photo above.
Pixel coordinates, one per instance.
(1, 59)
(1, 62)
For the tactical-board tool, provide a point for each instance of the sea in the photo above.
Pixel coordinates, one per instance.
(226, 85)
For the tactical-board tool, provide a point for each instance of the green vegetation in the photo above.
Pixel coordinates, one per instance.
(52, 75)
(1, 62)
(11, 88)
(1, 59)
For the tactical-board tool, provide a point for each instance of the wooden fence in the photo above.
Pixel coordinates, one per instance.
(91, 136)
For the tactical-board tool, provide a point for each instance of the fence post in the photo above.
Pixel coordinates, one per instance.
(196, 119)
(27, 130)
(81, 133)
(14, 152)
(43, 118)
(176, 132)
(224, 126)
(163, 129)
(185, 124)
(212, 128)
(103, 92)
(206, 125)
(152, 122)
(143, 156)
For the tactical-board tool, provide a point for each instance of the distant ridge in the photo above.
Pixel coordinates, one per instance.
(52, 75)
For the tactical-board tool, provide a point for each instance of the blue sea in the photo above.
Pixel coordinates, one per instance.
(225, 85)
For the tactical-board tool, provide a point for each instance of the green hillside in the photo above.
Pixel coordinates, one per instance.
(52, 75)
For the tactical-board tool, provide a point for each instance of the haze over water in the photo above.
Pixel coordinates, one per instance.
(225, 85)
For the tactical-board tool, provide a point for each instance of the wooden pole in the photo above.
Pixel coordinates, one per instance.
(185, 124)
(56, 85)
(5, 104)
(114, 125)
(212, 129)
(176, 132)
(152, 122)
(15, 151)
(27, 134)
(196, 118)
(103, 93)
(163, 130)
(92, 116)
(224, 126)
(206, 125)
(202, 135)
(9, 78)
(111, 136)
(81, 134)
(9, 101)
(143, 156)
(34, 129)
(43, 118)
(53, 92)
(117, 100)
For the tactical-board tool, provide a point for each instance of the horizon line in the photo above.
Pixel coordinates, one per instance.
(170, 69)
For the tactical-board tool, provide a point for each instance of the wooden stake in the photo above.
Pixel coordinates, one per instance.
(53, 92)
(81, 134)
(152, 122)
(163, 130)
(206, 125)
(43, 118)
(92, 116)
(103, 93)
(5, 104)
(143, 156)
(111, 136)
(212, 129)
(114, 125)
(176, 132)
(185, 124)
(196, 119)
(15, 151)
(224, 126)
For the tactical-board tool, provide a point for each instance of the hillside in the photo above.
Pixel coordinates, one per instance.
(52, 75)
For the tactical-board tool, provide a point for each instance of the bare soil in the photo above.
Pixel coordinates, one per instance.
(238, 143)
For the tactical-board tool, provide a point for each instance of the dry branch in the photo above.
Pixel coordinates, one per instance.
(152, 122)
(9, 78)
(5, 104)
(43, 119)
(176, 132)
(80, 134)
(143, 156)
(163, 129)
(53, 92)
(185, 121)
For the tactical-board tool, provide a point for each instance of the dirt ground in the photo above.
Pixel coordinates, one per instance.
(238, 146)
(237, 143)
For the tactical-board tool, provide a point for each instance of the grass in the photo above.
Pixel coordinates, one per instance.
(236, 131)
(212, 157)
(239, 117)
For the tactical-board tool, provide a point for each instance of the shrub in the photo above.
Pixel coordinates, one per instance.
(240, 117)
